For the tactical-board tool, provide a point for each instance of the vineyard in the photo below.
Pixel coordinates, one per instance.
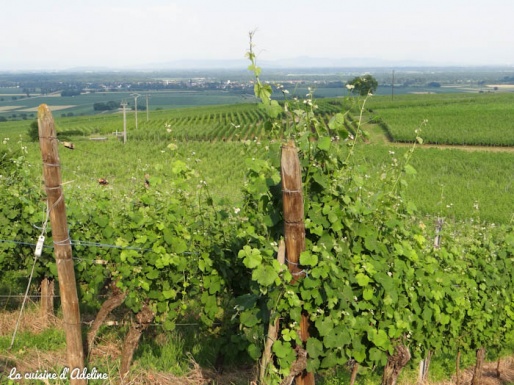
(462, 119)
(188, 225)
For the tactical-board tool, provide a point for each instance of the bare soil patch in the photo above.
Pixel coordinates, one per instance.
(457, 147)
(502, 87)
(9, 108)
(52, 108)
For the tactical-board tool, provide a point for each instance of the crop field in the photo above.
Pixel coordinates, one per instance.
(183, 217)
(13, 103)
(459, 119)
(451, 181)
(16, 104)
(83, 104)
(212, 124)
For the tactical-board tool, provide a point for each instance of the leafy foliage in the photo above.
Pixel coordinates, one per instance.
(373, 279)
(32, 132)
(363, 85)
(20, 213)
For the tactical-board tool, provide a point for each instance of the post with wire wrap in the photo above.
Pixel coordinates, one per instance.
(294, 229)
(62, 245)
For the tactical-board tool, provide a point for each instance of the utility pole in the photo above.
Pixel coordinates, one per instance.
(392, 88)
(135, 103)
(147, 110)
(124, 104)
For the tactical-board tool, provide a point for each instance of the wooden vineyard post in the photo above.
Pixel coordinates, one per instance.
(294, 229)
(62, 244)
(47, 299)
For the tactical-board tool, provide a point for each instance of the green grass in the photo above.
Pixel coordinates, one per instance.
(48, 339)
(450, 182)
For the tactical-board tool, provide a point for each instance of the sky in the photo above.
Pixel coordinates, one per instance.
(63, 34)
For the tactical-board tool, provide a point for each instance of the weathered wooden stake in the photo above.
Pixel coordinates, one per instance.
(62, 244)
(294, 229)
(423, 368)
(47, 300)
(355, 370)
(425, 363)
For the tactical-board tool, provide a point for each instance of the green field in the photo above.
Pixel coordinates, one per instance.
(15, 105)
(83, 104)
(449, 182)
(459, 119)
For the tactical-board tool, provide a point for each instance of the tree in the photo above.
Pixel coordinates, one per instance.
(109, 106)
(363, 85)
(33, 131)
(71, 92)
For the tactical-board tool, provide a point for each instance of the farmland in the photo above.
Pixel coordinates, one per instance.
(75, 93)
(214, 139)
(210, 170)
(461, 119)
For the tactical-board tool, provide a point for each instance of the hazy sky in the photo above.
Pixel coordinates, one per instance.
(58, 34)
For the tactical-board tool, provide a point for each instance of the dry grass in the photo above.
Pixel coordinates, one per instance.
(489, 376)
(106, 353)
(52, 108)
(196, 376)
(31, 321)
(108, 350)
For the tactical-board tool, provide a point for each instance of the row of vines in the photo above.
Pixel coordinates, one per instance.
(223, 123)
(479, 120)
(376, 290)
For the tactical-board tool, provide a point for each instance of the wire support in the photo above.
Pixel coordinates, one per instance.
(23, 303)
(54, 188)
(78, 243)
(64, 242)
